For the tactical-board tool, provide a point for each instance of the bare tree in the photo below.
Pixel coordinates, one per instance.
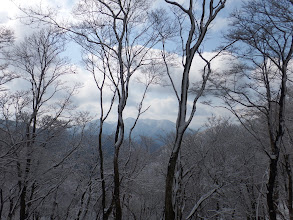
(99, 65)
(224, 176)
(6, 39)
(286, 158)
(263, 30)
(34, 116)
(191, 40)
(99, 73)
(120, 34)
(125, 48)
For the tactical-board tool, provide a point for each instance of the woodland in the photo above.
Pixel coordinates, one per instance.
(57, 162)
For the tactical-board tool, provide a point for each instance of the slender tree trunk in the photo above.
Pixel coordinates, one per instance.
(104, 212)
(118, 210)
(275, 147)
(118, 142)
(119, 135)
(290, 190)
(290, 195)
(11, 210)
(169, 210)
(1, 203)
(22, 211)
(30, 136)
(271, 186)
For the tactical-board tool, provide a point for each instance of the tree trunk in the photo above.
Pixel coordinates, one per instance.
(1, 203)
(100, 150)
(169, 210)
(118, 210)
(271, 186)
(22, 211)
(290, 190)
(118, 142)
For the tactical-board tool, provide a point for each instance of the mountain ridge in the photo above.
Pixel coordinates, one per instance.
(145, 127)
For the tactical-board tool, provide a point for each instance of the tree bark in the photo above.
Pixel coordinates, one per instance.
(271, 186)
(22, 210)
(169, 210)
(290, 186)
(118, 142)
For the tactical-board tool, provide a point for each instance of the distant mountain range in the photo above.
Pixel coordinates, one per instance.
(149, 128)
(144, 127)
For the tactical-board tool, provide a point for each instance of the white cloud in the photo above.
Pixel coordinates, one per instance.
(162, 101)
(10, 13)
(219, 24)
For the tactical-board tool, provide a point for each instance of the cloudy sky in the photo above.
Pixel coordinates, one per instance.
(160, 99)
